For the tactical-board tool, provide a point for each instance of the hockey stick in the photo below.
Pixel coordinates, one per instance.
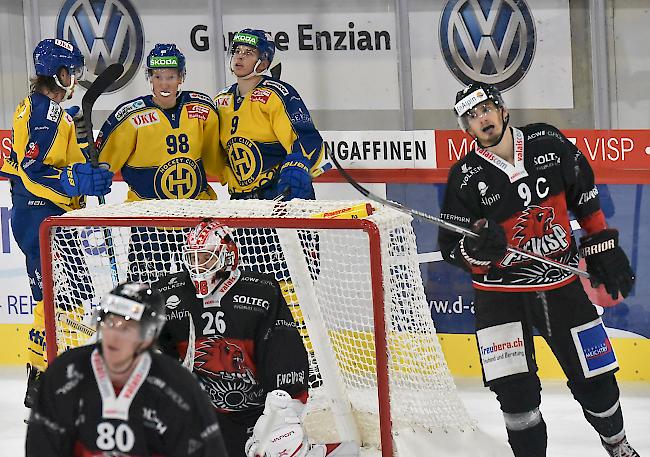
(188, 361)
(444, 224)
(98, 87)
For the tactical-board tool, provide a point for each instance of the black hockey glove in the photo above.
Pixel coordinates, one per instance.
(490, 245)
(607, 263)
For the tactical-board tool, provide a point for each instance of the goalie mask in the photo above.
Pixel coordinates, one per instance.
(137, 302)
(210, 256)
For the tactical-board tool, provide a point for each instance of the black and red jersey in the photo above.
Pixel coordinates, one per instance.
(160, 412)
(246, 343)
(531, 200)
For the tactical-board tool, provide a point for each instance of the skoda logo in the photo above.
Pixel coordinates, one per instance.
(488, 41)
(106, 32)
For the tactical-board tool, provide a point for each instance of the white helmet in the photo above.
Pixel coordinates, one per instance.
(210, 256)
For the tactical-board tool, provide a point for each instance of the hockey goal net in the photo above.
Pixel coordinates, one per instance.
(377, 372)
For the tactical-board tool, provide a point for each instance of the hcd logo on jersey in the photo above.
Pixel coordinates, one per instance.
(489, 41)
(106, 32)
(245, 160)
(178, 178)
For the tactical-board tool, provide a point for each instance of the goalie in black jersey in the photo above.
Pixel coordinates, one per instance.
(118, 397)
(233, 329)
(517, 187)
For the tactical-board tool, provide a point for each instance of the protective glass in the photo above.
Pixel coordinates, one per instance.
(127, 327)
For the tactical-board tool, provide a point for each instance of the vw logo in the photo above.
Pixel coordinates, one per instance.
(488, 41)
(106, 32)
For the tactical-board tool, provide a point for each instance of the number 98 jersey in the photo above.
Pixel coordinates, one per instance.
(164, 154)
(531, 200)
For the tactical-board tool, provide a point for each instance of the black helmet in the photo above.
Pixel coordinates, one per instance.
(471, 96)
(136, 301)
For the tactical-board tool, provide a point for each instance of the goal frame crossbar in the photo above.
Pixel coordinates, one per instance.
(376, 277)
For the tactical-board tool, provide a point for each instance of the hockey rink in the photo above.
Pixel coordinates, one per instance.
(568, 431)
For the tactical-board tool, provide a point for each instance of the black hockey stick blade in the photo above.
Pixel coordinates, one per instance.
(276, 71)
(98, 87)
(442, 223)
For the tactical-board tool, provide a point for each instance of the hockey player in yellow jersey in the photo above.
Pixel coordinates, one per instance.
(267, 134)
(164, 143)
(48, 174)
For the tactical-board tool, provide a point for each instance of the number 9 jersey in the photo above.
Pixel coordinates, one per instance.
(164, 153)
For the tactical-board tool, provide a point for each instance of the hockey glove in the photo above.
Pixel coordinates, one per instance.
(490, 245)
(83, 179)
(607, 264)
(295, 178)
(279, 428)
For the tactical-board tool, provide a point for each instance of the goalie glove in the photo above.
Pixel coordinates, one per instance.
(278, 431)
(607, 264)
(295, 178)
(490, 245)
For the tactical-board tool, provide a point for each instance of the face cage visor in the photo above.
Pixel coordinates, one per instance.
(470, 107)
(204, 265)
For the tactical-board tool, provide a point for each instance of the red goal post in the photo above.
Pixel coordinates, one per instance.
(377, 372)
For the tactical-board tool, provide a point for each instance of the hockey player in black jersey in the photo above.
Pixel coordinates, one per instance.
(233, 329)
(118, 397)
(517, 186)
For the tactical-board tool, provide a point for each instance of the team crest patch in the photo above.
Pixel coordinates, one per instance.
(260, 95)
(594, 349)
(179, 178)
(196, 111)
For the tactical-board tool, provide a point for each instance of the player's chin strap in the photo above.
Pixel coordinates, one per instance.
(252, 74)
(67, 89)
(503, 132)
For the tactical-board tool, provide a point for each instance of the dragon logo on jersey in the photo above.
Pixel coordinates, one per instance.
(178, 178)
(106, 32)
(535, 231)
(226, 373)
(245, 160)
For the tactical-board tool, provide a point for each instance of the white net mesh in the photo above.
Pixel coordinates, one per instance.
(329, 268)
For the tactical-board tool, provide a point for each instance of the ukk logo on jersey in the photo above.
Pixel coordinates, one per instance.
(536, 232)
(489, 41)
(143, 119)
(106, 32)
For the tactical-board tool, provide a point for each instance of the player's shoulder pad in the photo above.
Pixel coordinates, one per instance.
(542, 131)
(171, 378)
(79, 357)
(171, 282)
(126, 109)
(282, 89)
(193, 97)
(45, 110)
(249, 277)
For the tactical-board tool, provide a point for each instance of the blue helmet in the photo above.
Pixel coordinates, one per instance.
(52, 54)
(166, 55)
(257, 39)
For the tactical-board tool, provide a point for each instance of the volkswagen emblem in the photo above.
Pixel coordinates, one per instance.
(488, 41)
(106, 32)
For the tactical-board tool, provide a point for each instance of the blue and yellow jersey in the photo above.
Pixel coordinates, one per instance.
(260, 129)
(164, 154)
(44, 142)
